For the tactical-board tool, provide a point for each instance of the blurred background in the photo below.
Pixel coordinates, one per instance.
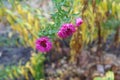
(91, 53)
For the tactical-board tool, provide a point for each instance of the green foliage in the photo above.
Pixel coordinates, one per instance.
(10, 73)
(97, 78)
(111, 24)
(34, 67)
(62, 14)
(108, 76)
(37, 64)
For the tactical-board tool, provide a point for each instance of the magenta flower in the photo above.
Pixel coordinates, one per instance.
(43, 44)
(79, 21)
(66, 30)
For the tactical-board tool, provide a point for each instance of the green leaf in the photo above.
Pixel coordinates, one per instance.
(12, 2)
(97, 78)
(110, 75)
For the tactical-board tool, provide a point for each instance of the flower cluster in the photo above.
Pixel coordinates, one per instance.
(66, 30)
(43, 44)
